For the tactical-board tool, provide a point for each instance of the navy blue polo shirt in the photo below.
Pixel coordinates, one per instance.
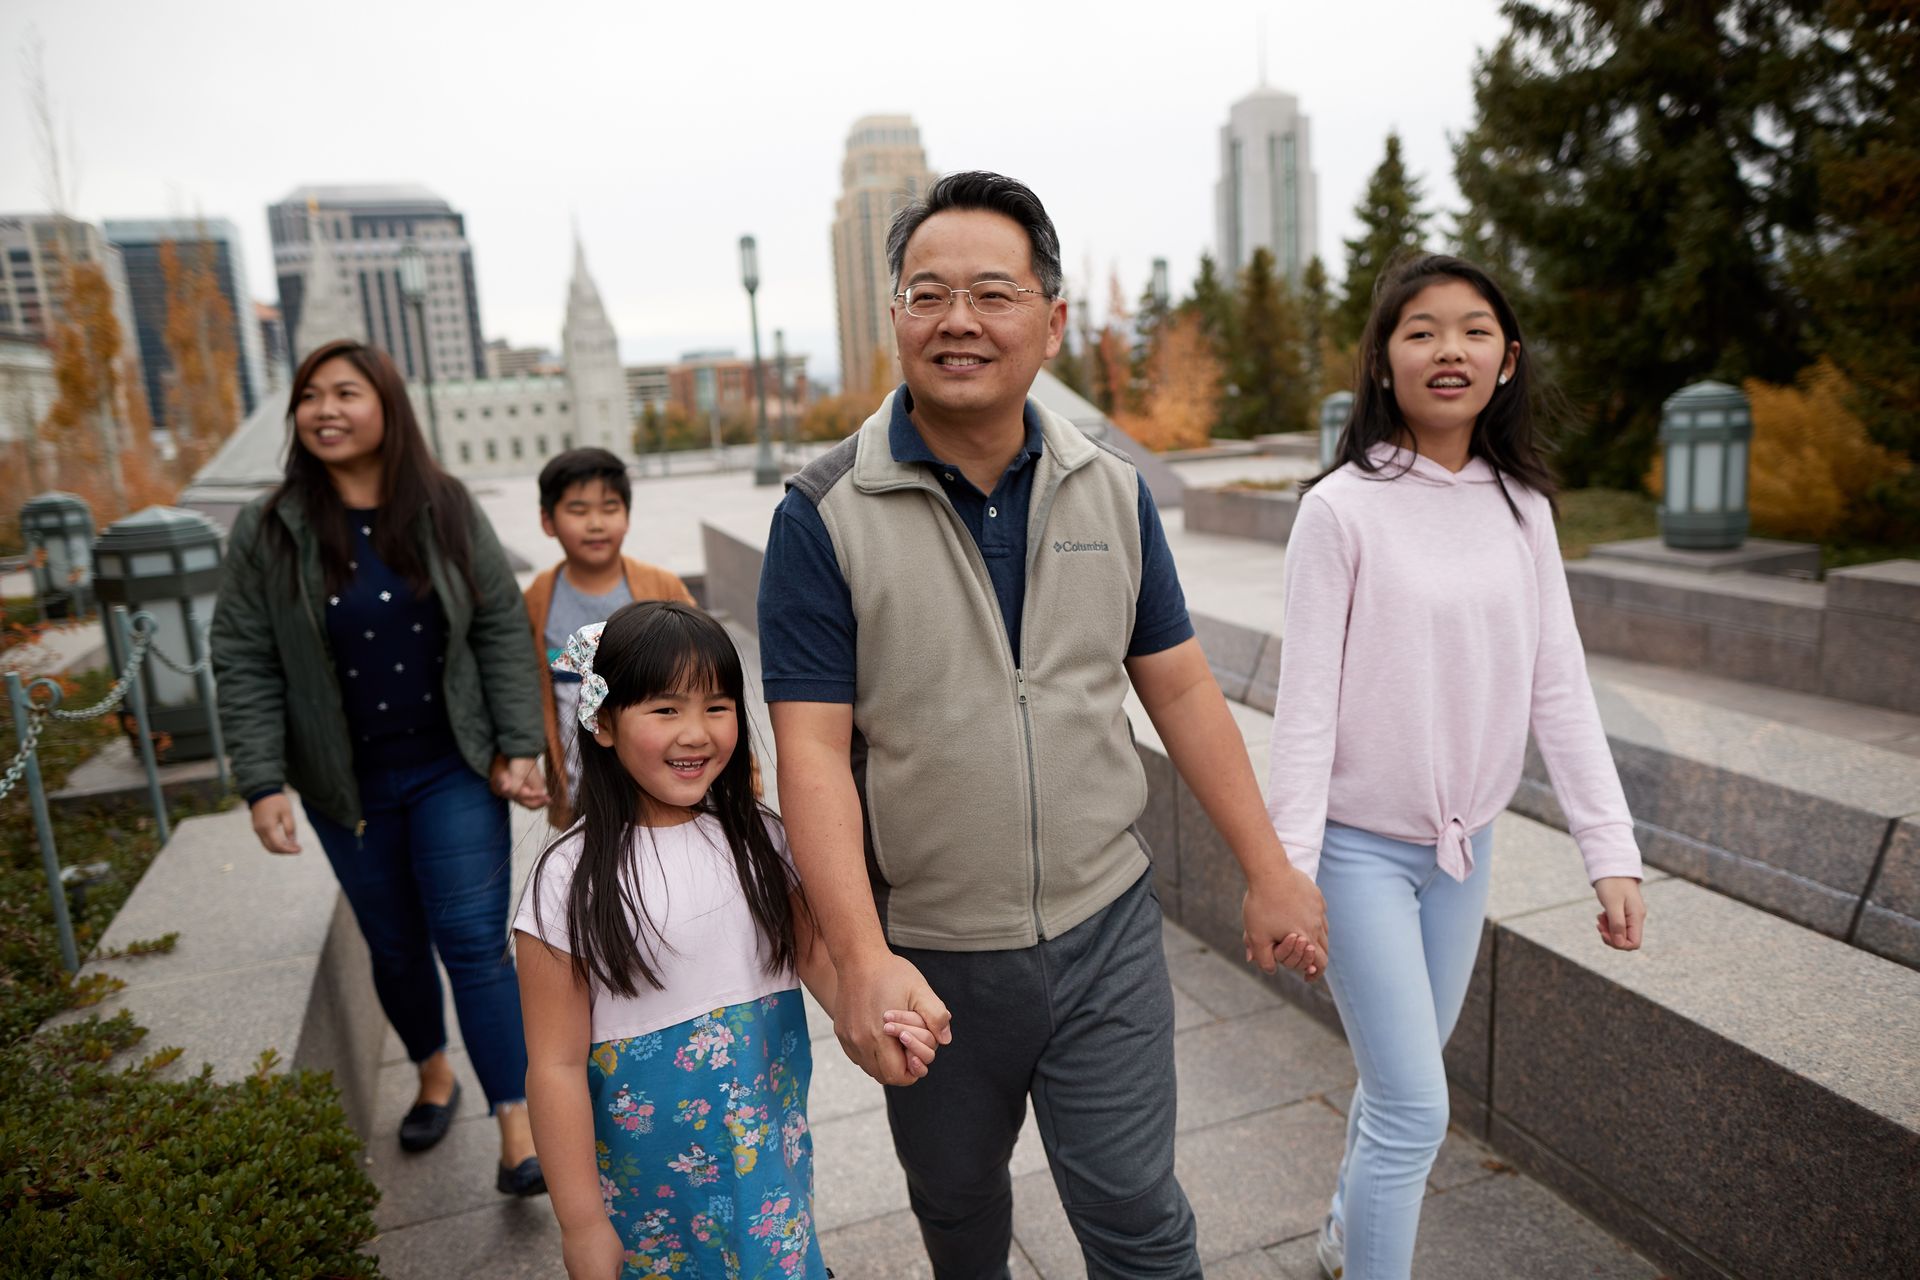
(807, 625)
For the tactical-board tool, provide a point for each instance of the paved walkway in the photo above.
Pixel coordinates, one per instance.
(1263, 1087)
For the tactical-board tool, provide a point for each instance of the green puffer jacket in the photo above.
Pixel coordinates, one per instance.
(279, 695)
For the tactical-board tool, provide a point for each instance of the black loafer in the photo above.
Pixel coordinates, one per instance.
(427, 1123)
(524, 1179)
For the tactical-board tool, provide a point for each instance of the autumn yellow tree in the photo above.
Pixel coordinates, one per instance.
(1181, 400)
(203, 398)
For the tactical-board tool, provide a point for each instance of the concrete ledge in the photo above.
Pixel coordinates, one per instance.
(1873, 635)
(266, 959)
(1265, 515)
(1754, 555)
(1743, 626)
(1741, 1087)
(1785, 818)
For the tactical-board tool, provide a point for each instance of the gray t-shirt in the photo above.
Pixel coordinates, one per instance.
(569, 611)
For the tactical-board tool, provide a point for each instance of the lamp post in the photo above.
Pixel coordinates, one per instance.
(765, 469)
(1334, 412)
(58, 530)
(413, 287)
(1705, 430)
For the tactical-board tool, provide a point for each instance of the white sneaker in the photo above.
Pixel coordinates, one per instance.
(1331, 1250)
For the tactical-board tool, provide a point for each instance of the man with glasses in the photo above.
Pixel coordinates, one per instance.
(954, 603)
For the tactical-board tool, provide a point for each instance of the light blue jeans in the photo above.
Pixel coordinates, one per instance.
(1403, 936)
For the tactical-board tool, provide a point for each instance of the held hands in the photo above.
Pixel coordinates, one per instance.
(520, 780)
(1284, 922)
(911, 1030)
(592, 1251)
(1622, 913)
(868, 1019)
(273, 823)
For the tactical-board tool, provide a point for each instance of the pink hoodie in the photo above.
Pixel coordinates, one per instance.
(1426, 631)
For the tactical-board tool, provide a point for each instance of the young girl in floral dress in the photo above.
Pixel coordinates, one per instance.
(659, 941)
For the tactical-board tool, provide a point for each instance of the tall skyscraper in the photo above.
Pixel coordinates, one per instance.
(1267, 196)
(885, 167)
(139, 245)
(367, 226)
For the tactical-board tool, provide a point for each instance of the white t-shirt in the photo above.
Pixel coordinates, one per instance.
(702, 940)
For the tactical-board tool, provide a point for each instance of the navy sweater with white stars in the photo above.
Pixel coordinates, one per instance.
(389, 649)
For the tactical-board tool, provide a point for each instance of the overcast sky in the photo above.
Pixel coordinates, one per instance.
(669, 130)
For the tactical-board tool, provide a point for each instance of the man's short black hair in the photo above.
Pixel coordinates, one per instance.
(996, 193)
(577, 466)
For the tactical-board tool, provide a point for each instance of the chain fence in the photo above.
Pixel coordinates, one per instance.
(134, 635)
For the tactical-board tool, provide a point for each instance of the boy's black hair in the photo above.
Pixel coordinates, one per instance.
(577, 466)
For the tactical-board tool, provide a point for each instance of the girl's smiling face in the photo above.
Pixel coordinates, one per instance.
(1447, 355)
(674, 746)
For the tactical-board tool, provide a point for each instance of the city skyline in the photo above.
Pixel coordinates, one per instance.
(1115, 126)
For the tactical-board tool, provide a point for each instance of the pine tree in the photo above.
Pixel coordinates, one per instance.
(1860, 271)
(1393, 222)
(1270, 390)
(1637, 168)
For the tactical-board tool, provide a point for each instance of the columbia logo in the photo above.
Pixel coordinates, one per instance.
(1080, 546)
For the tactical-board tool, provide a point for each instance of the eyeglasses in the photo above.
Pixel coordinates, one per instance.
(987, 297)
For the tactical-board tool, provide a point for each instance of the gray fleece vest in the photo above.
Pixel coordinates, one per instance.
(999, 800)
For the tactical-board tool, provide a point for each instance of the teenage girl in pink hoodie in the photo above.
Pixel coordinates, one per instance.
(1428, 628)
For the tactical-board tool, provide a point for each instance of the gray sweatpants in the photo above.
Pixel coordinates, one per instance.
(1084, 1024)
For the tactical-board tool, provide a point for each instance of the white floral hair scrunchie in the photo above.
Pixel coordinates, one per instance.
(582, 646)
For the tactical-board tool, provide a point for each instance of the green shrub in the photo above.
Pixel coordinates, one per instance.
(106, 1170)
(113, 1172)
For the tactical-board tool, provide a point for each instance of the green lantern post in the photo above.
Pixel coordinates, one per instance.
(1705, 431)
(166, 561)
(57, 528)
(1334, 412)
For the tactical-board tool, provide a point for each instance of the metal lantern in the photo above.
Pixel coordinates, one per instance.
(1334, 412)
(57, 528)
(166, 561)
(1705, 430)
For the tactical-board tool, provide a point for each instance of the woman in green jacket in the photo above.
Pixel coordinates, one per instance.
(373, 654)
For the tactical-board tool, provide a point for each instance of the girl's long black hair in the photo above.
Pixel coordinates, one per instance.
(1506, 434)
(650, 649)
(410, 479)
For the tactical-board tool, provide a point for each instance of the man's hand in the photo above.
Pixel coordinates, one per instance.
(869, 990)
(273, 823)
(1284, 922)
(520, 780)
(1622, 913)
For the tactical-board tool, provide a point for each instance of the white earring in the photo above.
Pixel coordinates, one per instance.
(1503, 379)
(1385, 383)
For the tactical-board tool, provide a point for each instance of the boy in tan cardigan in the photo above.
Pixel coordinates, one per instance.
(584, 503)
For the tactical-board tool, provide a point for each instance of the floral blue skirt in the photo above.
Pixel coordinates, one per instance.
(706, 1164)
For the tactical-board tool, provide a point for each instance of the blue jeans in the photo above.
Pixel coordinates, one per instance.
(1404, 936)
(431, 871)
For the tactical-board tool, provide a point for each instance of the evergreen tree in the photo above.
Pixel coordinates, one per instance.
(1269, 388)
(1860, 270)
(1392, 222)
(1213, 304)
(1637, 167)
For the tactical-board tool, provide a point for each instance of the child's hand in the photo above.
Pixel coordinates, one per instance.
(1296, 953)
(593, 1251)
(910, 1029)
(1622, 912)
